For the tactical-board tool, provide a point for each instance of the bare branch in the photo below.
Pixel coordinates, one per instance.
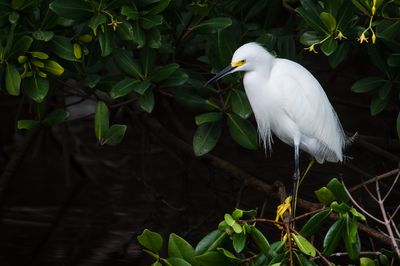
(373, 179)
(392, 186)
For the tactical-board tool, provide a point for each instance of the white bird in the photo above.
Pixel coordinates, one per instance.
(288, 101)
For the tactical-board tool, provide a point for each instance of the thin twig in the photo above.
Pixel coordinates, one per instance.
(391, 187)
(378, 177)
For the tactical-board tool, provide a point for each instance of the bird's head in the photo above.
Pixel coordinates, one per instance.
(246, 58)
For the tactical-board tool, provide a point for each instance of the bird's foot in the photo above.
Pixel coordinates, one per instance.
(282, 208)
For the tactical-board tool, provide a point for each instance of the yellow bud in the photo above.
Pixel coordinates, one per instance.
(22, 59)
(373, 37)
(37, 63)
(86, 38)
(39, 55)
(373, 10)
(41, 74)
(77, 51)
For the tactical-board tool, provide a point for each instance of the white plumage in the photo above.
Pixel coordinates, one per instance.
(288, 101)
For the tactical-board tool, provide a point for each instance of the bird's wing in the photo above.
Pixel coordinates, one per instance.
(306, 103)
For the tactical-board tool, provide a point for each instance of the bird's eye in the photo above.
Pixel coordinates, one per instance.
(243, 61)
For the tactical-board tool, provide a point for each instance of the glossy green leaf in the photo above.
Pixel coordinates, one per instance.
(115, 134)
(101, 121)
(176, 79)
(364, 261)
(153, 38)
(16, 4)
(13, 80)
(163, 72)
(208, 118)
(150, 240)
(147, 60)
(388, 29)
(63, 47)
(156, 263)
(188, 98)
(229, 219)
(53, 67)
(105, 41)
(36, 88)
(72, 9)
(125, 31)
(336, 187)
(177, 262)
(341, 208)
(357, 214)
(213, 24)
(339, 55)
(367, 84)
(328, 20)
(27, 124)
(213, 258)
(125, 62)
(240, 104)
(351, 238)
(325, 196)
(329, 46)
(361, 7)
(333, 236)
(56, 117)
(378, 105)
(385, 90)
(96, 21)
(229, 255)
(237, 214)
(304, 245)
(180, 248)
(21, 45)
(237, 228)
(239, 242)
(43, 35)
(260, 240)
(146, 101)
(130, 11)
(243, 132)
(159, 7)
(312, 20)
(138, 34)
(151, 21)
(394, 60)
(123, 88)
(315, 223)
(310, 37)
(142, 87)
(211, 241)
(206, 137)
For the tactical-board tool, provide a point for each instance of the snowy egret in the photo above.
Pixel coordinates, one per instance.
(289, 102)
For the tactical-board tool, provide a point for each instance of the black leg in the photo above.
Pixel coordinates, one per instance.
(296, 177)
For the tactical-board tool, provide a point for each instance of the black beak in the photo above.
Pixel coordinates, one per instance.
(223, 72)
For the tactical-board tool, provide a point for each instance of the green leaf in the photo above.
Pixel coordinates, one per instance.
(304, 245)
(105, 41)
(237, 214)
(147, 60)
(260, 240)
(357, 214)
(43, 35)
(124, 61)
(153, 38)
(138, 34)
(378, 105)
(72, 9)
(367, 84)
(361, 7)
(16, 4)
(152, 21)
(328, 20)
(115, 134)
(351, 238)
(188, 98)
(229, 255)
(398, 125)
(36, 88)
(310, 37)
(325, 196)
(177, 262)
(315, 223)
(63, 48)
(123, 88)
(388, 29)
(96, 21)
(13, 17)
(211, 241)
(150, 240)
(394, 60)
(206, 137)
(341, 208)
(163, 72)
(385, 90)
(329, 46)
(240, 103)
(142, 87)
(312, 20)
(146, 101)
(364, 261)
(333, 236)
(213, 258)
(208, 118)
(27, 124)
(239, 242)
(125, 31)
(13, 80)
(130, 11)
(213, 25)
(21, 45)
(339, 55)
(229, 219)
(156, 263)
(338, 191)
(159, 7)
(243, 132)
(237, 228)
(101, 121)
(180, 248)
(56, 117)
(53, 67)
(178, 78)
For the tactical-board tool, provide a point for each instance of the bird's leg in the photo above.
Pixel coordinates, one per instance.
(310, 164)
(296, 178)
